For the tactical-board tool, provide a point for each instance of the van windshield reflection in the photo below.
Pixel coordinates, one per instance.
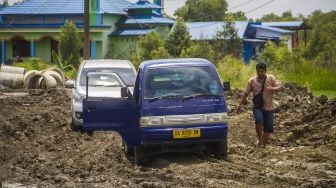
(180, 82)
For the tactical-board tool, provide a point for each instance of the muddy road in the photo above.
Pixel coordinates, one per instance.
(38, 148)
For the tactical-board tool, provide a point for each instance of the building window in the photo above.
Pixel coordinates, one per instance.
(21, 47)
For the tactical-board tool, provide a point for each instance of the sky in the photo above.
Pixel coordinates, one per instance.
(304, 7)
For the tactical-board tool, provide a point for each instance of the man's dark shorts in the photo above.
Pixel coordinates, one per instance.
(265, 118)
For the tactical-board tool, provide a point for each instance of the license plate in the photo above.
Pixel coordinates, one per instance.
(187, 133)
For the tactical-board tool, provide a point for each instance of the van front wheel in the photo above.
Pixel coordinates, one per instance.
(127, 150)
(219, 149)
(140, 156)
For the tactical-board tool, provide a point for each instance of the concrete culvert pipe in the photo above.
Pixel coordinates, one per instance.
(32, 79)
(11, 80)
(11, 69)
(56, 70)
(48, 82)
(56, 76)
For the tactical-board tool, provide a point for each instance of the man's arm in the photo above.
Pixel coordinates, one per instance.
(244, 96)
(242, 101)
(276, 87)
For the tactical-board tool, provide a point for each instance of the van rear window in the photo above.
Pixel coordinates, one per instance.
(181, 81)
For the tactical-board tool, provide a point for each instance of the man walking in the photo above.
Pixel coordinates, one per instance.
(263, 87)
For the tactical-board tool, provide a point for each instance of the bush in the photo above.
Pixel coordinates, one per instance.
(199, 50)
(234, 70)
(32, 64)
(291, 67)
(70, 44)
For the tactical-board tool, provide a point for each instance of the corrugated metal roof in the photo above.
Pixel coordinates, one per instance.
(148, 20)
(254, 40)
(283, 24)
(272, 29)
(35, 7)
(131, 32)
(23, 26)
(208, 30)
(144, 5)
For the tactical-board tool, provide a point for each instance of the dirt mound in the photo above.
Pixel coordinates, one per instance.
(39, 148)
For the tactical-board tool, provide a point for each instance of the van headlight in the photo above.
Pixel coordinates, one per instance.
(151, 121)
(217, 118)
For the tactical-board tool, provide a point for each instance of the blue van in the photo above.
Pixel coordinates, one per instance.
(177, 105)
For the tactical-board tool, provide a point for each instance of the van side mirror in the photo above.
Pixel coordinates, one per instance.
(226, 85)
(70, 84)
(124, 92)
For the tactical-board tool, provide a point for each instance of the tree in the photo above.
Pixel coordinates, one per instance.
(4, 4)
(236, 16)
(271, 17)
(150, 46)
(160, 53)
(178, 39)
(322, 42)
(227, 42)
(323, 45)
(202, 10)
(152, 41)
(70, 44)
(201, 49)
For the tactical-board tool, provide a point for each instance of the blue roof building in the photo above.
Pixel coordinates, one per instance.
(254, 35)
(32, 28)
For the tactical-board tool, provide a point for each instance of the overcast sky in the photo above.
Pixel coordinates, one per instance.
(304, 7)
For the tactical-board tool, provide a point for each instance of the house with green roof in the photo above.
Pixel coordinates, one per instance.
(32, 28)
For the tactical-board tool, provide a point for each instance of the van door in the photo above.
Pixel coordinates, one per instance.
(113, 113)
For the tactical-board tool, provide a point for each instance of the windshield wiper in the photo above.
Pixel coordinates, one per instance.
(198, 95)
(165, 97)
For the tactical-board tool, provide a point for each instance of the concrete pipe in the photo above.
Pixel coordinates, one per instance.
(56, 70)
(56, 76)
(48, 82)
(11, 80)
(11, 69)
(32, 79)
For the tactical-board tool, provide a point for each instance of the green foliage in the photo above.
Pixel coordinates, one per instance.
(4, 4)
(290, 66)
(178, 39)
(322, 44)
(151, 46)
(202, 10)
(160, 53)
(200, 49)
(227, 42)
(271, 17)
(70, 44)
(149, 43)
(277, 55)
(236, 16)
(32, 64)
(234, 70)
(65, 66)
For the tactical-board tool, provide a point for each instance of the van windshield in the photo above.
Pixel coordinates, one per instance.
(127, 75)
(180, 82)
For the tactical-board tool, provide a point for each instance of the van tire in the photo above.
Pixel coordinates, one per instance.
(75, 127)
(129, 151)
(219, 149)
(140, 156)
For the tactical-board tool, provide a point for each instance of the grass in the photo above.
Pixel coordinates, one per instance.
(318, 80)
(329, 93)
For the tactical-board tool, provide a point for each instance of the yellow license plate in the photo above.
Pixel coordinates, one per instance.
(187, 133)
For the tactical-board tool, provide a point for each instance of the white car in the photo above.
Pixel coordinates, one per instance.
(112, 76)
